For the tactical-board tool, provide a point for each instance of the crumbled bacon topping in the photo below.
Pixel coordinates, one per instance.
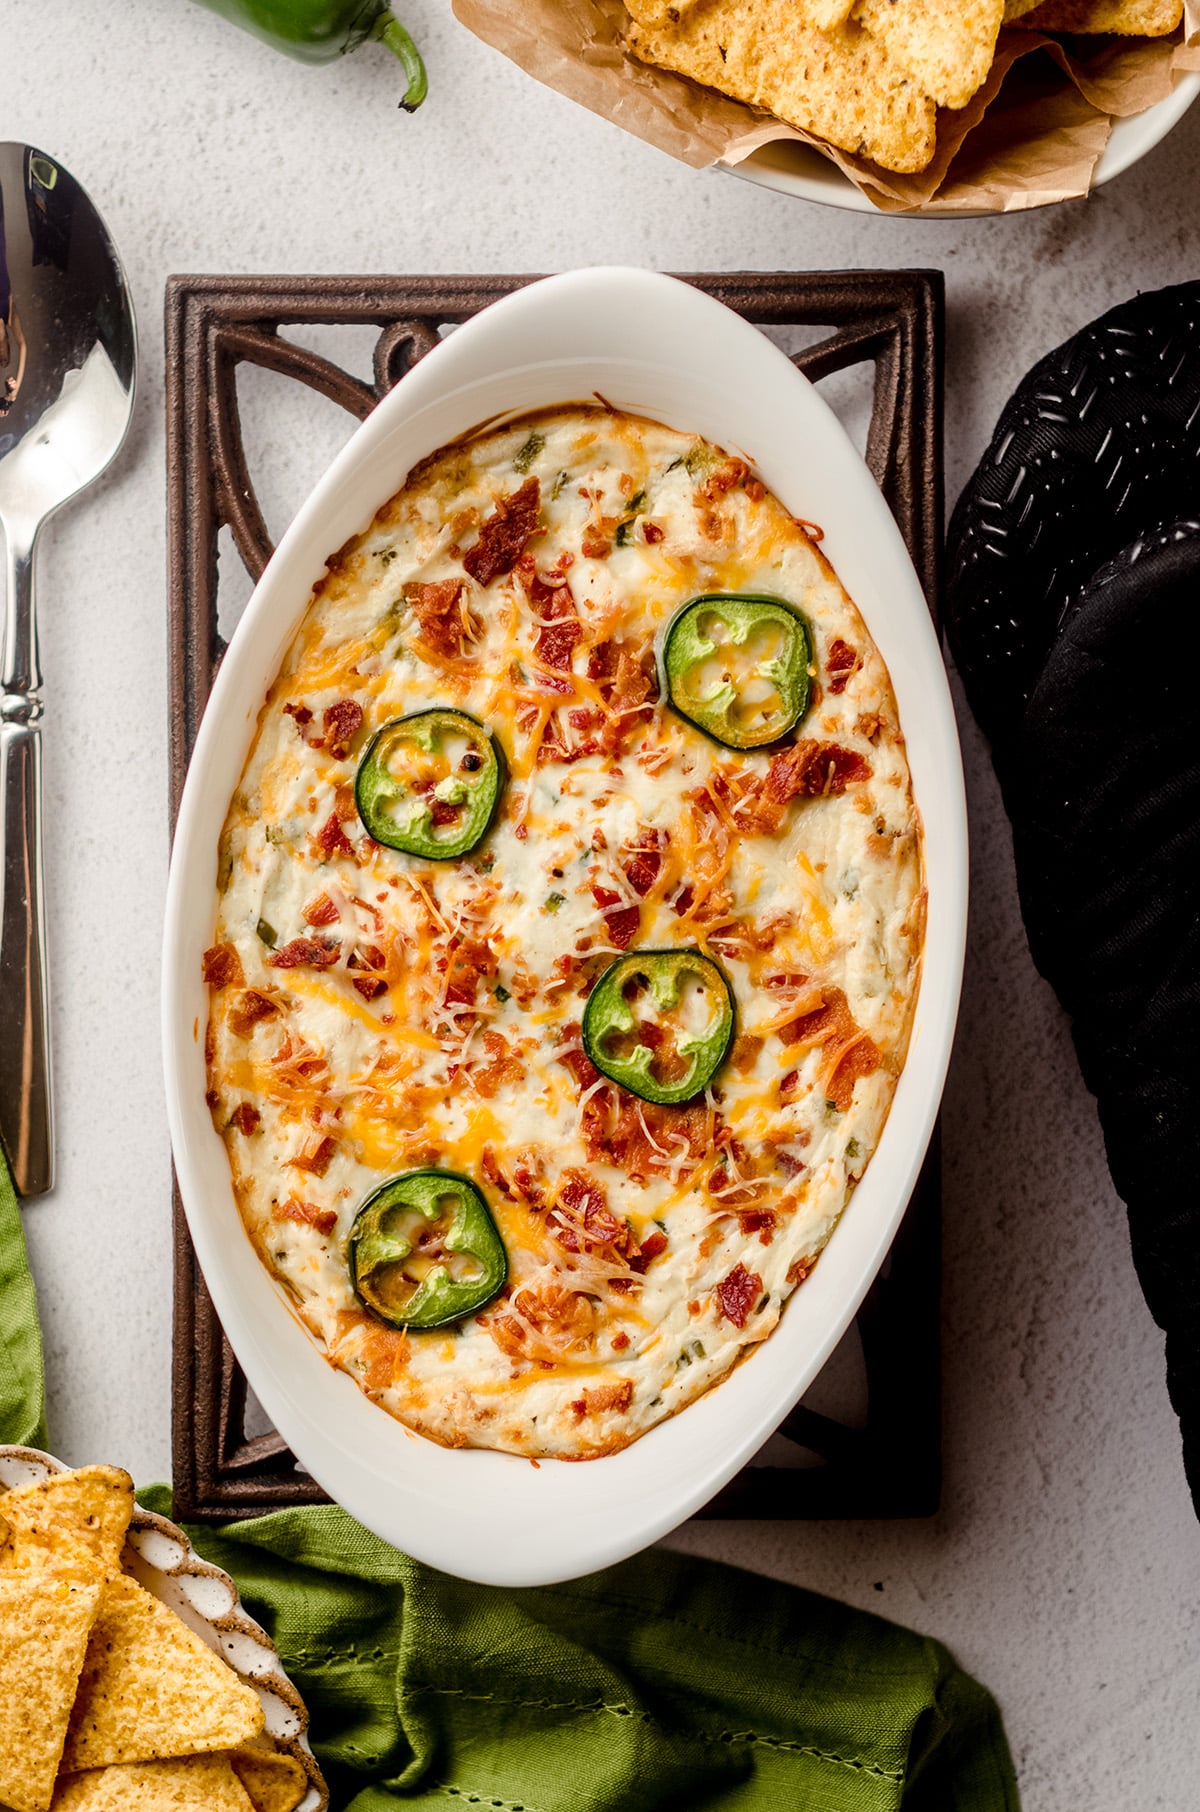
(323, 1219)
(504, 535)
(446, 623)
(321, 911)
(222, 967)
(306, 953)
(246, 1118)
(606, 1397)
(808, 770)
(317, 1161)
(738, 1293)
(331, 840)
(252, 1006)
(842, 661)
(342, 723)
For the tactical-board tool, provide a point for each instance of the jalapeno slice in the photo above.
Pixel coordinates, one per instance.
(424, 1250)
(660, 1023)
(737, 666)
(429, 784)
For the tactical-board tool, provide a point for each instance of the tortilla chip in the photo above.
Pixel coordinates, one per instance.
(842, 85)
(824, 14)
(199, 1783)
(44, 1626)
(1131, 18)
(151, 1689)
(947, 46)
(73, 1516)
(274, 1781)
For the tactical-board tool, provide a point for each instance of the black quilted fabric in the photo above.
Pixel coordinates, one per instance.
(1074, 612)
(1099, 445)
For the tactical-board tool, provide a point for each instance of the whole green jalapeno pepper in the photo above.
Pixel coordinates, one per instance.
(424, 1250)
(317, 31)
(737, 665)
(660, 1023)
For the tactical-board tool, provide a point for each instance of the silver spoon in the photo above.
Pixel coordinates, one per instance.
(68, 354)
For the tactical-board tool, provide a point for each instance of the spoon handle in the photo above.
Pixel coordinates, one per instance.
(26, 1122)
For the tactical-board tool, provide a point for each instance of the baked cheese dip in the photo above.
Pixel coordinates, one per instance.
(569, 930)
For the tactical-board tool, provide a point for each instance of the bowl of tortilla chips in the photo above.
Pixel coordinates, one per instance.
(131, 1679)
(906, 106)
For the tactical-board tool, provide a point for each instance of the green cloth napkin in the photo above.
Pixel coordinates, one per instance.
(662, 1685)
(22, 1382)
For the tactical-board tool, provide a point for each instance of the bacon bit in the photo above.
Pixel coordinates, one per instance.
(641, 1138)
(504, 1067)
(725, 477)
(622, 925)
(791, 1166)
(868, 725)
(738, 1294)
(320, 911)
(644, 863)
(547, 1324)
(810, 770)
(755, 489)
(446, 625)
(317, 1161)
(800, 1270)
(345, 804)
(385, 1351)
(651, 1248)
(652, 533)
(505, 534)
(492, 1171)
(616, 1397)
(579, 1064)
(370, 986)
(620, 1341)
(323, 1219)
(342, 723)
(306, 953)
(595, 544)
(843, 661)
(252, 1007)
(221, 967)
(744, 1054)
(627, 680)
(684, 900)
(246, 1118)
(331, 840)
(760, 1221)
(852, 1052)
(301, 714)
(789, 1088)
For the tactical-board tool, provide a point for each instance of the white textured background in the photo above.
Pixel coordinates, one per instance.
(1063, 1567)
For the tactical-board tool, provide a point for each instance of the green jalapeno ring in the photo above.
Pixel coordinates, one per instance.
(608, 1013)
(686, 651)
(377, 792)
(378, 1250)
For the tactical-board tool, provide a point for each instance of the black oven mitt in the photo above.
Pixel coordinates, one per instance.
(1074, 616)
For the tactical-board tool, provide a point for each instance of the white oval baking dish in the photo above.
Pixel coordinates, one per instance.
(657, 347)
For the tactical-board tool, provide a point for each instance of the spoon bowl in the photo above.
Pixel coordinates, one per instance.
(68, 358)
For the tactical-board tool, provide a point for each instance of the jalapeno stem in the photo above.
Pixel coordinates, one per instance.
(388, 30)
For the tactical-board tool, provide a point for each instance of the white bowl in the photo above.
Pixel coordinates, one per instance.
(791, 168)
(163, 1560)
(660, 348)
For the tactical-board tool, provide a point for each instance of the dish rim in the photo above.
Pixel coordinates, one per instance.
(556, 331)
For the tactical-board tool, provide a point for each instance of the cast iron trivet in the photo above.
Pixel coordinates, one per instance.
(890, 1467)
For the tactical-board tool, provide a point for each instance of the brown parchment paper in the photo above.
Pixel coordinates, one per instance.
(1034, 133)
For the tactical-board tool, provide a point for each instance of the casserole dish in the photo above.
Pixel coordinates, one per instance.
(657, 348)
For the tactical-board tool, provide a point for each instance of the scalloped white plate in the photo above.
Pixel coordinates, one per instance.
(659, 348)
(794, 169)
(163, 1560)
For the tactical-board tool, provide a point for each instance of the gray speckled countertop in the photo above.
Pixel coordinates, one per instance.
(1063, 1566)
